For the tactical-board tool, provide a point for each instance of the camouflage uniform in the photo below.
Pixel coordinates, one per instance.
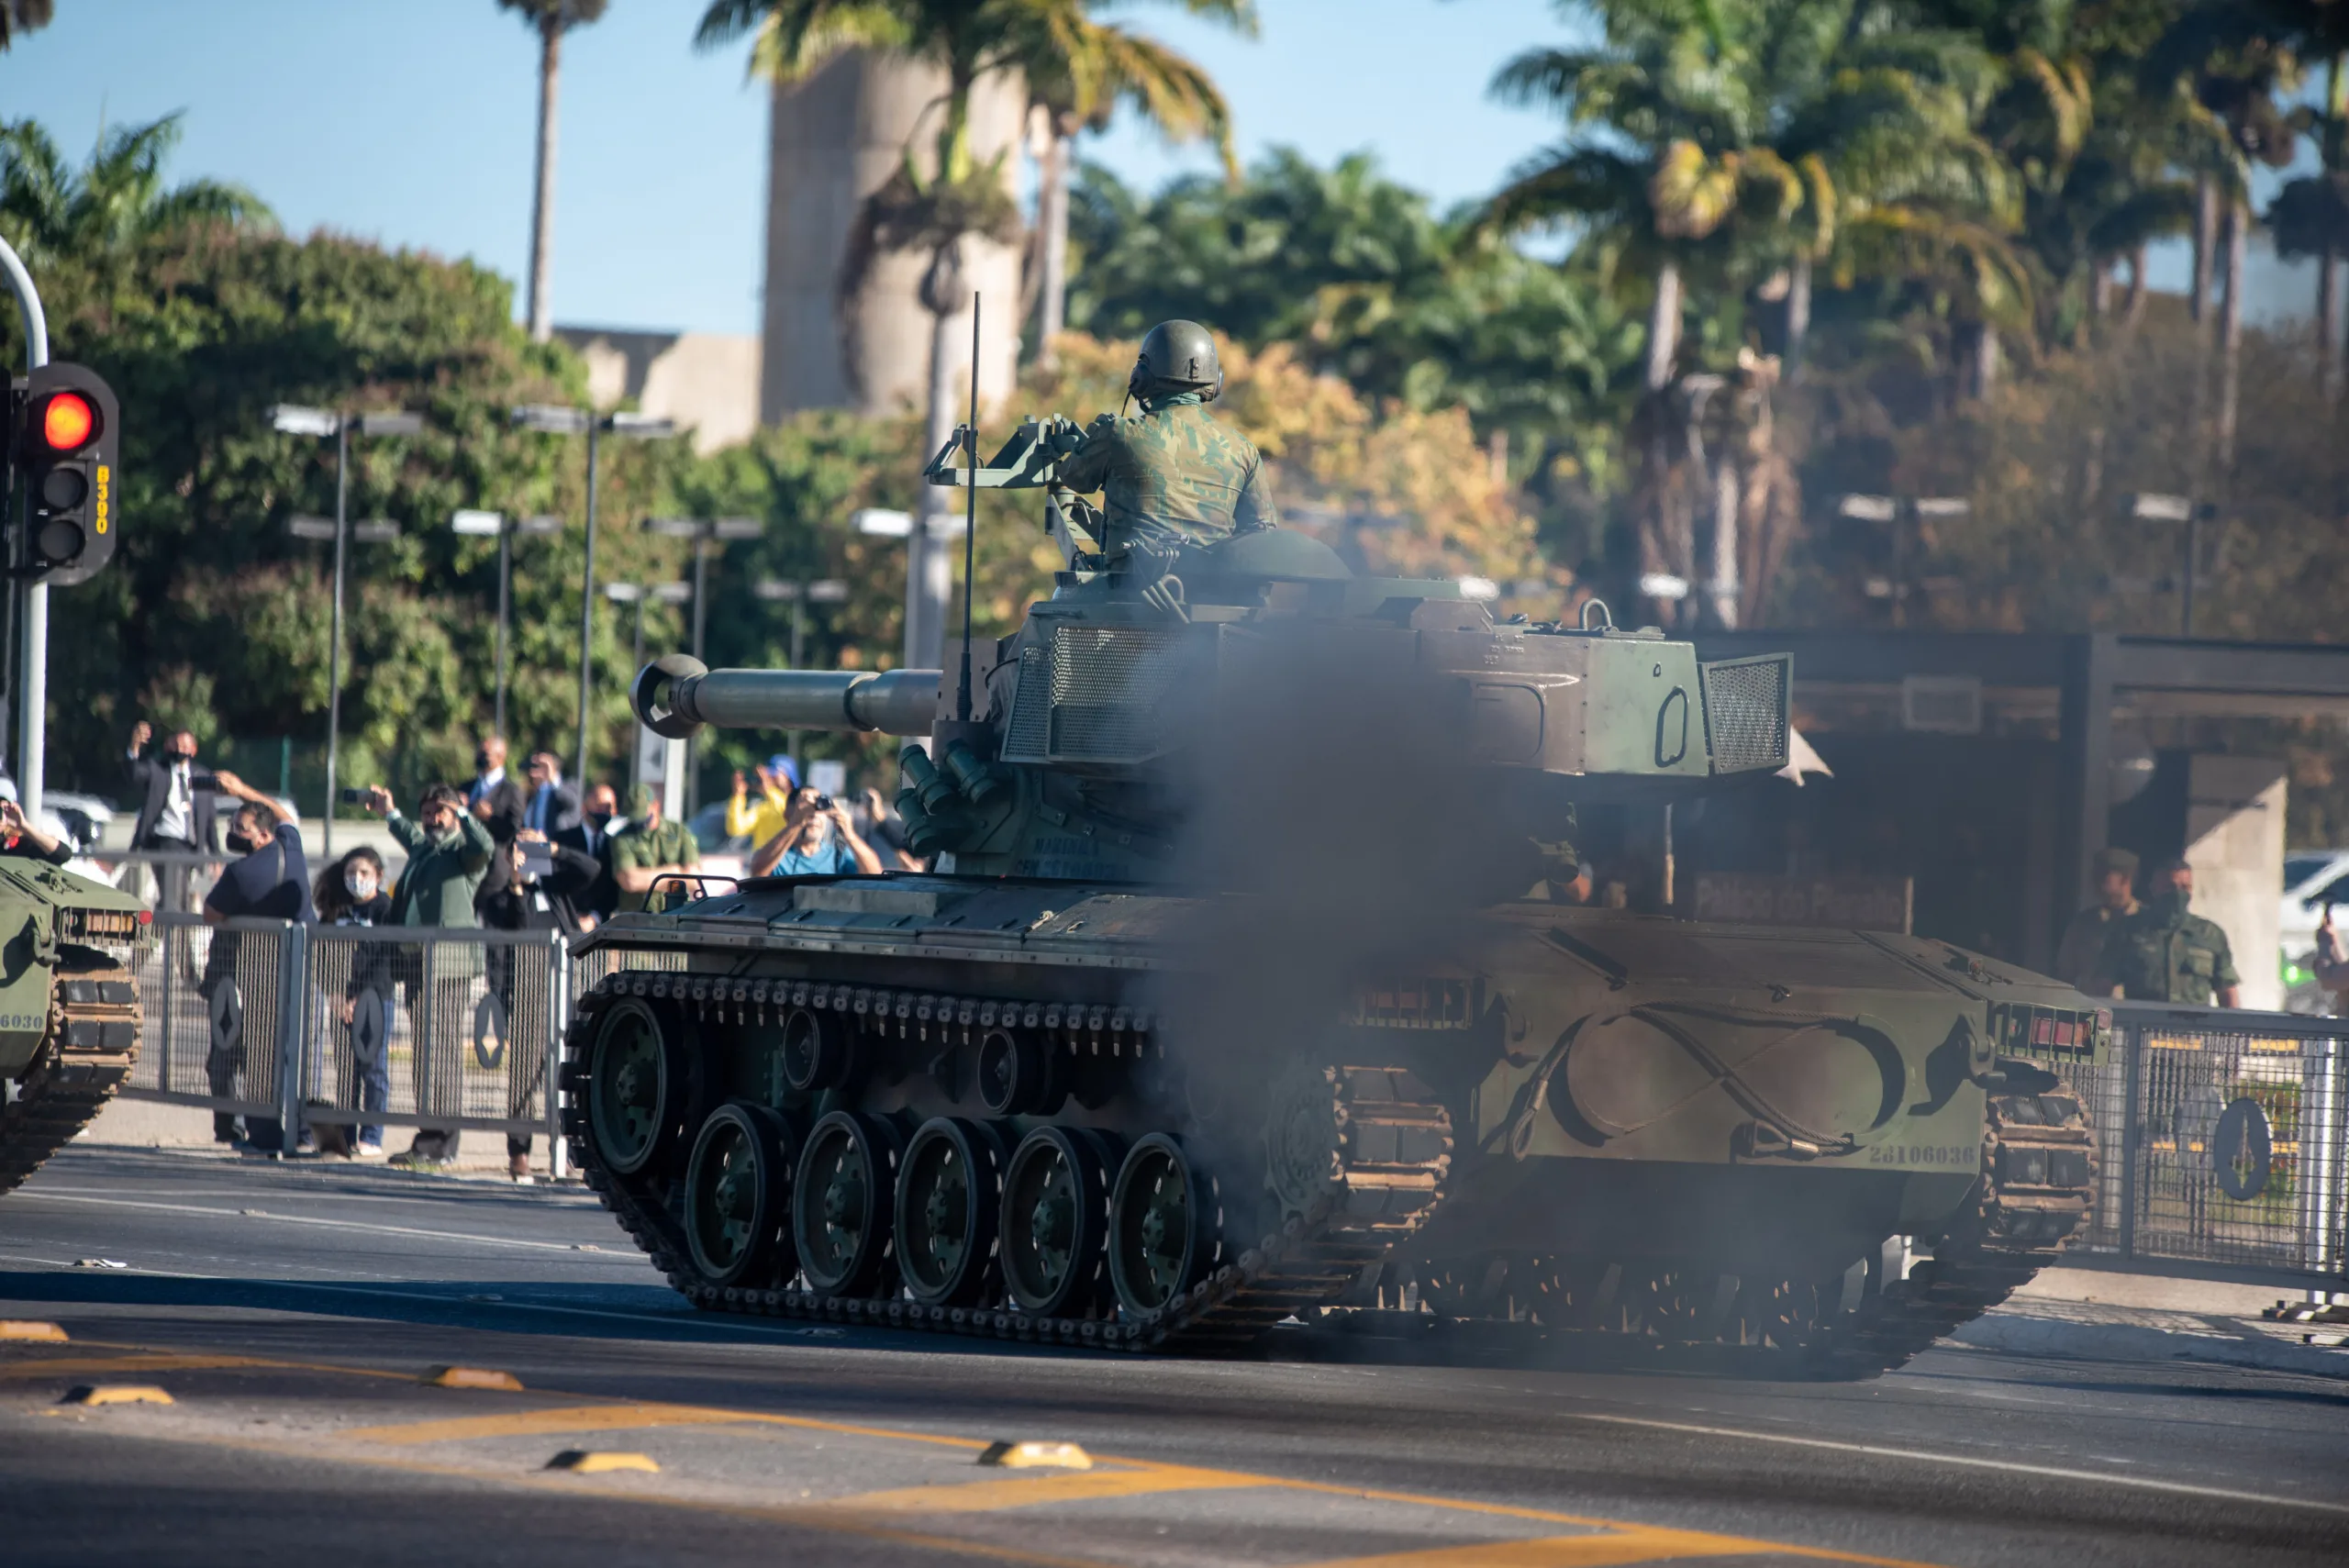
(2169, 955)
(639, 845)
(1175, 475)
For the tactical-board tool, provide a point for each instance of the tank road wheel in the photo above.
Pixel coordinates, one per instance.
(841, 1203)
(636, 1084)
(1056, 1220)
(947, 1208)
(814, 1051)
(1164, 1224)
(738, 1188)
(1019, 1074)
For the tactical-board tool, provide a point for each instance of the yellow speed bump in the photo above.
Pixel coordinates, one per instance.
(115, 1394)
(26, 1328)
(1036, 1456)
(598, 1461)
(475, 1377)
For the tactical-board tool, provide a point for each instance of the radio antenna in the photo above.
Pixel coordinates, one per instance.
(970, 520)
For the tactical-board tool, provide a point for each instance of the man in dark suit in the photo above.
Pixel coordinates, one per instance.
(592, 834)
(549, 805)
(177, 811)
(497, 801)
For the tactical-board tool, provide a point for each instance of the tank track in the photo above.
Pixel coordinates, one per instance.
(1395, 1149)
(84, 1058)
(2036, 1191)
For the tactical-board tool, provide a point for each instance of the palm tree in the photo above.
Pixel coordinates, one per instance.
(549, 20)
(23, 17)
(1731, 144)
(1078, 71)
(112, 205)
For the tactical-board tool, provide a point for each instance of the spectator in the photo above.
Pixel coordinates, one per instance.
(350, 893)
(177, 812)
(267, 881)
(20, 837)
(648, 849)
(449, 853)
(2163, 955)
(817, 839)
(542, 880)
(551, 805)
(759, 820)
(496, 800)
(2332, 963)
(2080, 955)
(599, 822)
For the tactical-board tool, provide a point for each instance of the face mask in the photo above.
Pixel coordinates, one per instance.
(599, 819)
(2169, 903)
(361, 883)
(481, 762)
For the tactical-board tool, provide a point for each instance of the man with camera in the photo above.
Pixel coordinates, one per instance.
(817, 839)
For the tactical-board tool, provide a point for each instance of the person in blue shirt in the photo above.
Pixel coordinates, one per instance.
(816, 840)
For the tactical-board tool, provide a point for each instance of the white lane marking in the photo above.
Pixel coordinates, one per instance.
(2048, 1471)
(479, 1193)
(310, 1219)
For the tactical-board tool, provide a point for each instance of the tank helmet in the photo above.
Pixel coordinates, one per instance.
(1176, 356)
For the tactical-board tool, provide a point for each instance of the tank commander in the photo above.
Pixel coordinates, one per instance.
(2163, 955)
(1175, 475)
(2080, 956)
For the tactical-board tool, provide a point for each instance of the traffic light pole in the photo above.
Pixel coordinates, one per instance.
(32, 760)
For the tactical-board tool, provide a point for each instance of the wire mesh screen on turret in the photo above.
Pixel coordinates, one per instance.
(1095, 696)
(1745, 712)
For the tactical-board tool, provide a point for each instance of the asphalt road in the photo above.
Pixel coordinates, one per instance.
(292, 1314)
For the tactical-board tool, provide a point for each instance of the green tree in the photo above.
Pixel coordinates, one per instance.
(549, 20)
(1079, 71)
(111, 206)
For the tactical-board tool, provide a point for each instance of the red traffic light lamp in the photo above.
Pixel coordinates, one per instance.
(64, 455)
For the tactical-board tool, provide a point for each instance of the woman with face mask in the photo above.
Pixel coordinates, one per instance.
(350, 893)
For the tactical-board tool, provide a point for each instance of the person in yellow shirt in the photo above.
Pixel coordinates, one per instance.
(763, 819)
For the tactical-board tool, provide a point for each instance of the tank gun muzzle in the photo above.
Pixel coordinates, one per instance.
(676, 695)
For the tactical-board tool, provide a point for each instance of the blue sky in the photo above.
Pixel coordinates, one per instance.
(409, 121)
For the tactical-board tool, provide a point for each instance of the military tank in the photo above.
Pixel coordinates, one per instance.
(69, 1006)
(1223, 1004)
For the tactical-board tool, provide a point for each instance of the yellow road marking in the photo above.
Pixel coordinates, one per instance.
(542, 1423)
(1569, 1552)
(852, 1515)
(988, 1496)
(76, 1366)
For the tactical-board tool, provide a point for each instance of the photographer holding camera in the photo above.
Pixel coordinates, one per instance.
(817, 839)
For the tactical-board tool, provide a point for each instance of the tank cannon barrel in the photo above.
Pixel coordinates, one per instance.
(676, 695)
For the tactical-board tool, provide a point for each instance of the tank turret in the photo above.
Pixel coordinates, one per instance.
(1092, 722)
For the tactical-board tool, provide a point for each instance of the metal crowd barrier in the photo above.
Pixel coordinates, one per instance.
(2225, 1139)
(356, 1025)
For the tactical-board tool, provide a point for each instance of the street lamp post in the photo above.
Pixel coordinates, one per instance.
(927, 563)
(295, 420)
(702, 531)
(2157, 508)
(799, 593)
(562, 420)
(483, 525)
(637, 593)
(1891, 511)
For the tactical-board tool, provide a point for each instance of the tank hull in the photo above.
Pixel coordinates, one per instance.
(1597, 1123)
(70, 1015)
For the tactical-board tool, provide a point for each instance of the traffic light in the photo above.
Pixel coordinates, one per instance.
(67, 430)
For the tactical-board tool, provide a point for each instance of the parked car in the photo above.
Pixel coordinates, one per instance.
(2312, 878)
